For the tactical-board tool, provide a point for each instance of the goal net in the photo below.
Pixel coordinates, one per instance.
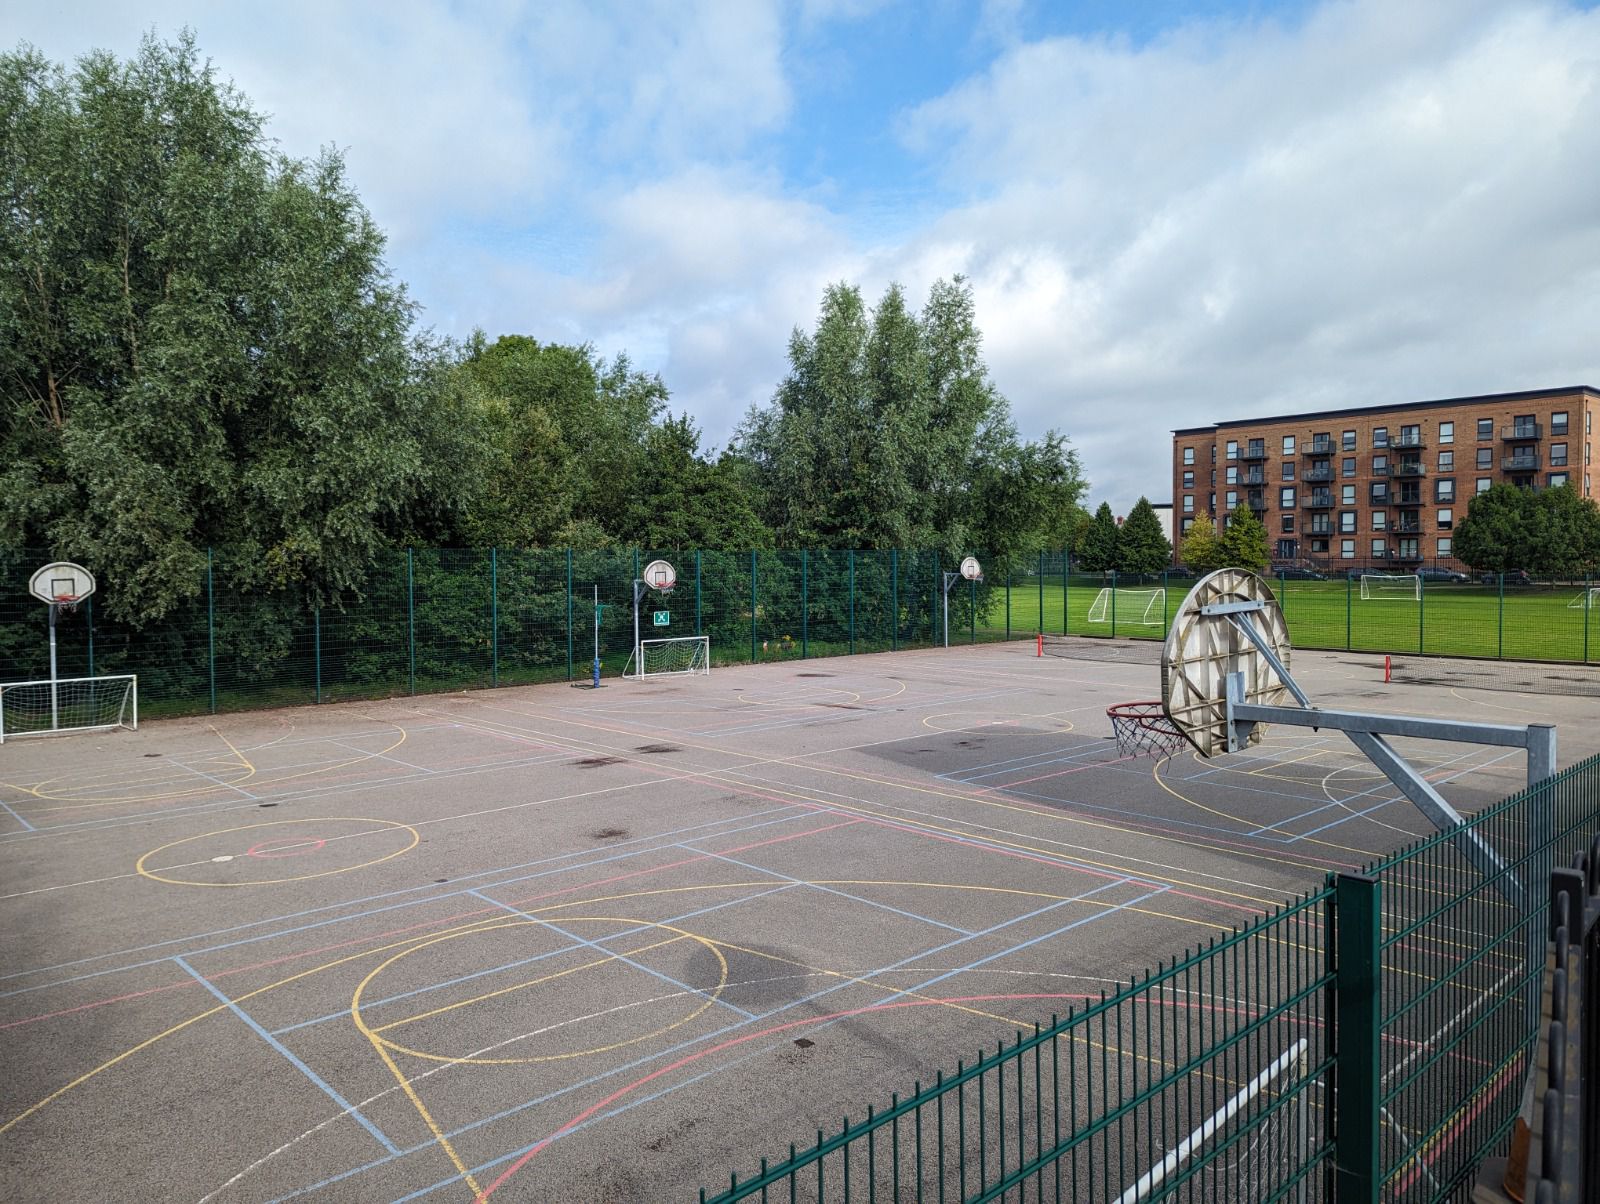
(1588, 600)
(682, 656)
(1138, 607)
(70, 704)
(1378, 586)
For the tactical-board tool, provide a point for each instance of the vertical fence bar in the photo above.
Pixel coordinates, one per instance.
(894, 599)
(1588, 607)
(494, 616)
(1422, 604)
(1113, 603)
(211, 630)
(1500, 618)
(569, 616)
(1357, 1030)
(1066, 600)
(411, 626)
(1347, 584)
(753, 657)
(1041, 591)
(1008, 603)
(316, 648)
(88, 614)
(697, 630)
(805, 604)
(972, 613)
(852, 601)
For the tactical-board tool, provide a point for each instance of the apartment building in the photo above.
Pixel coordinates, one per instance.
(1381, 485)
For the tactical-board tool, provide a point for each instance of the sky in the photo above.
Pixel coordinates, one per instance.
(1170, 213)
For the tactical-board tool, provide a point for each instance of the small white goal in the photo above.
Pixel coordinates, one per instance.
(1136, 607)
(68, 704)
(1588, 600)
(681, 656)
(1379, 587)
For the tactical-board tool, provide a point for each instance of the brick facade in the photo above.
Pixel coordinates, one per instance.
(1382, 485)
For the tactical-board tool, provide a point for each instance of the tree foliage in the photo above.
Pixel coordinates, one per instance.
(1142, 545)
(1553, 533)
(200, 343)
(1201, 550)
(1097, 553)
(1244, 544)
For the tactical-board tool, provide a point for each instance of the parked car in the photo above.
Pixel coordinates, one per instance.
(1292, 572)
(1515, 577)
(1450, 575)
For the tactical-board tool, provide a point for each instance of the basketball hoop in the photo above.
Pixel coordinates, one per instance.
(660, 576)
(65, 603)
(971, 570)
(1142, 729)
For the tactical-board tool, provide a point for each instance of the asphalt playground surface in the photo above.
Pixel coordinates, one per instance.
(554, 944)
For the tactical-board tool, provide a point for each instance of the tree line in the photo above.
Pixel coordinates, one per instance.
(201, 345)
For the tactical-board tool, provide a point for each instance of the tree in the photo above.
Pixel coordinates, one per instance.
(1497, 535)
(693, 501)
(1566, 534)
(1201, 551)
(1142, 545)
(1098, 553)
(200, 344)
(1244, 543)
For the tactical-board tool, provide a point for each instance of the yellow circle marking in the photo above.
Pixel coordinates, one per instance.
(971, 723)
(158, 876)
(375, 1035)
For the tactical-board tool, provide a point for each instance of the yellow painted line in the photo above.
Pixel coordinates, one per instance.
(158, 876)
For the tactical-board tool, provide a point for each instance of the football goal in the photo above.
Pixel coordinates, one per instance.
(1588, 600)
(1377, 587)
(682, 656)
(69, 704)
(1136, 607)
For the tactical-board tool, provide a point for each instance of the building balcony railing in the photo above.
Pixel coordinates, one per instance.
(1522, 462)
(1254, 477)
(1317, 447)
(1519, 431)
(1317, 474)
(1407, 500)
(1253, 454)
(1410, 468)
(1408, 441)
(1320, 529)
(1380, 470)
(1381, 497)
(1257, 503)
(1318, 501)
(1406, 527)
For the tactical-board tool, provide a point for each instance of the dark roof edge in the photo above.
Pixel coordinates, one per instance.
(1396, 407)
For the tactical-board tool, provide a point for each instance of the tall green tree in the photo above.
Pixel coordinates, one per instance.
(1566, 534)
(1244, 544)
(1201, 550)
(693, 500)
(1098, 552)
(1142, 545)
(200, 343)
(1497, 534)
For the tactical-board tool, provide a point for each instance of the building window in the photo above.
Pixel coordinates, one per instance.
(1213, 478)
(1347, 442)
(1233, 499)
(1447, 432)
(1187, 523)
(1380, 520)
(1287, 524)
(1286, 498)
(1347, 467)
(1558, 455)
(1212, 504)
(1380, 549)
(1444, 490)
(1188, 503)
(1347, 495)
(1447, 461)
(1558, 479)
(1380, 436)
(1347, 549)
(1347, 521)
(1319, 545)
(1188, 479)
(1411, 436)
(1446, 520)
(1233, 449)
(1485, 458)
(1288, 445)
(1380, 466)
(1446, 545)
(1486, 428)
(1188, 455)
(1379, 493)
(1213, 453)
(1288, 471)
(1233, 475)
(1483, 484)
(1558, 423)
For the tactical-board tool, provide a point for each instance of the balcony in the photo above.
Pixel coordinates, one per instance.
(1411, 497)
(1317, 528)
(1257, 503)
(1253, 454)
(1410, 468)
(1318, 501)
(1317, 447)
(1317, 474)
(1407, 526)
(1517, 432)
(1254, 477)
(1521, 462)
(1408, 442)
(1411, 553)
(1380, 470)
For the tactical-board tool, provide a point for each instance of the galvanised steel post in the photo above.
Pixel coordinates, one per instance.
(494, 616)
(569, 618)
(972, 613)
(1357, 913)
(211, 631)
(1041, 590)
(411, 625)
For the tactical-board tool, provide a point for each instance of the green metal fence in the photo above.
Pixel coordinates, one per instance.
(441, 618)
(1367, 1042)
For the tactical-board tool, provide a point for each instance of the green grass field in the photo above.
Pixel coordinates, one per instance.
(1530, 623)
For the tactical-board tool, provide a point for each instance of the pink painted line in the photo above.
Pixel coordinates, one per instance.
(1059, 773)
(1443, 1142)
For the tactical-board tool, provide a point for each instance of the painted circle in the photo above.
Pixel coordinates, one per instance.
(706, 999)
(1017, 725)
(347, 828)
(286, 846)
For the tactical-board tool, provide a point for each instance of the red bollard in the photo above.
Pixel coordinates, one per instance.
(1040, 650)
(1386, 670)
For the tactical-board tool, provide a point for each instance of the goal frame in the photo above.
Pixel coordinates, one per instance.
(1589, 599)
(699, 664)
(1415, 591)
(1156, 596)
(127, 711)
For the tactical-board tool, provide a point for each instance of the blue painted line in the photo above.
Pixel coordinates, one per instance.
(821, 721)
(18, 818)
(977, 773)
(1371, 792)
(1037, 753)
(344, 1105)
(817, 886)
(855, 980)
(626, 960)
(794, 812)
(1399, 797)
(539, 957)
(1166, 820)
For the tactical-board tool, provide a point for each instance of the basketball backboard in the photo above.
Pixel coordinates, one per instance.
(660, 575)
(1204, 646)
(61, 582)
(971, 570)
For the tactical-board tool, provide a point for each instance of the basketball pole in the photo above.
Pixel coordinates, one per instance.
(596, 681)
(54, 721)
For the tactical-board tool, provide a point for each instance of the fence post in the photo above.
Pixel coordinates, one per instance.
(1586, 612)
(211, 632)
(805, 604)
(697, 630)
(1422, 602)
(753, 657)
(316, 648)
(1500, 621)
(853, 602)
(1008, 603)
(494, 616)
(88, 614)
(1113, 603)
(569, 615)
(1066, 582)
(411, 624)
(1357, 914)
(1348, 581)
(1041, 591)
(972, 613)
(894, 599)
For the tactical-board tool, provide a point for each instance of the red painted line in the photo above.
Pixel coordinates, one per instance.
(792, 836)
(1447, 1138)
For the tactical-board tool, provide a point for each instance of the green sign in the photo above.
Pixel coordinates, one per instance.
(663, 617)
